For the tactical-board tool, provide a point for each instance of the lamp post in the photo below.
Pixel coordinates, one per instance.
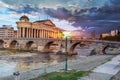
(66, 60)
(66, 35)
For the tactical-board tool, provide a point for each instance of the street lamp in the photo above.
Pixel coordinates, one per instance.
(66, 35)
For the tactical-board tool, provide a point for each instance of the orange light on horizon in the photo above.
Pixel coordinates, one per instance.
(67, 34)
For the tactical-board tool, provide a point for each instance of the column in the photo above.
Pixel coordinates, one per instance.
(38, 33)
(46, 33)
(55, 34)
(26, 32)
(23, 30)
(34, 33)
(19, 32)
(42, 33)
(49, 34)
(31, 33)
(52, 34)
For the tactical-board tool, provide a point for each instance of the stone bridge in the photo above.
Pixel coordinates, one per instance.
(47, 45)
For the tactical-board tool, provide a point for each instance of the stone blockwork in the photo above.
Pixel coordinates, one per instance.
(47, 45)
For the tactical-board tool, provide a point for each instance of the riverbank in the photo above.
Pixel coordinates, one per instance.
(105, 71)
(51, 62)
(81, 64)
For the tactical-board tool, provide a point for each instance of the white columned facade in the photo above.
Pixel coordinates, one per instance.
(37, 29)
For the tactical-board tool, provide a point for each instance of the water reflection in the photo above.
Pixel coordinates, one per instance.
(27, 61)
(10, 64)
(6, 68)
(23, 61)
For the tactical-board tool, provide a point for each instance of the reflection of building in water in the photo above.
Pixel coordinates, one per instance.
(25, 66)
(37, 29)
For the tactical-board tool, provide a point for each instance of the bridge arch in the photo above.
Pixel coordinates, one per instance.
(49, 46)
(1, 43)
(107, 47)
(74, 45)
(29, 45)
(13, 44)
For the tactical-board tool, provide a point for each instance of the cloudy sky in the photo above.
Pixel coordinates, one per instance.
(86, 15)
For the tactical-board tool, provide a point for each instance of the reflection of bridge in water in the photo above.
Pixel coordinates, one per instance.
(48, 45)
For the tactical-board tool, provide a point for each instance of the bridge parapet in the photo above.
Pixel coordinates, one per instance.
(40, 43)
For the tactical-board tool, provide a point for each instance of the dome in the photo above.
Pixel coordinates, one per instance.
(24, 17)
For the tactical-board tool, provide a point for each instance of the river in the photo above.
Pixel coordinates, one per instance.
(25, 61)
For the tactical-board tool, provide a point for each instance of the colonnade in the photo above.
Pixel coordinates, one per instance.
(24, 32)
(37, 29)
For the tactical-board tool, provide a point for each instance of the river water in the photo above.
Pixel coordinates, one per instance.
(25, 61)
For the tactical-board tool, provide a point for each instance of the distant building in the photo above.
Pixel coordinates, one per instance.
(6, 31)
(114, 32)
(105, 35)
(15, 33)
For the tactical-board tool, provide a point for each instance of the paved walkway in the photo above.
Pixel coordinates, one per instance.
(105, 71)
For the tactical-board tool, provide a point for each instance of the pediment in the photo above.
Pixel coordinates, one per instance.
(48, 22)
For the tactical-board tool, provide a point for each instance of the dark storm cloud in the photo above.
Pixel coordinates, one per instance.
(105, 17)
(93, 17)
(60, 13)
